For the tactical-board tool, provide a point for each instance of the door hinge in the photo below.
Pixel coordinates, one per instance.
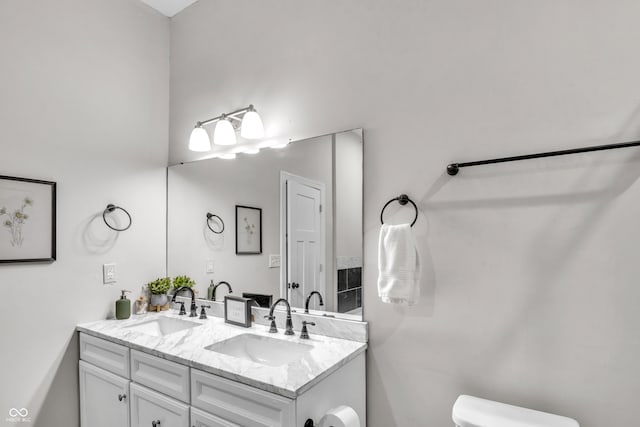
(320, 268)
(320, 208)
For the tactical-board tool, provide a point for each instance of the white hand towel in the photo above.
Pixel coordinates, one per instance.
(398, 265)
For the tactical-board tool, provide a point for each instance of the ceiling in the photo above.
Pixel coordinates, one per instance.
(169, 7)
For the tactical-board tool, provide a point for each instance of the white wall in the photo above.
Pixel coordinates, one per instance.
(217, 186)
(84, 102)
(530, 293)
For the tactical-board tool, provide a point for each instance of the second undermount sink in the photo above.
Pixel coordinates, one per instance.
(260, 349)
(162, 326)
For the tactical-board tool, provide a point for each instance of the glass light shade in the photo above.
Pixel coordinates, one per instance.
(279, 145)
(252, 126)
(224, 134)
(199, 140)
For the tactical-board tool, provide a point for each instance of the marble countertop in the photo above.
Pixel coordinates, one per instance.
(188, 348)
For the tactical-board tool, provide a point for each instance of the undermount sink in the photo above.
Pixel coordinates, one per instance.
(259, 349)
(163, 326)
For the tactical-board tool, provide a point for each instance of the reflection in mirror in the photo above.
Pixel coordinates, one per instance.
(308, 236)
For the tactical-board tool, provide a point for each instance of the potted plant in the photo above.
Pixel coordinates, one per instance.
(158, 289)
(180, 281)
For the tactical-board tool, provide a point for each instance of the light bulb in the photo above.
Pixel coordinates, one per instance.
(252, 125)
(228, 156)
(199, 140)
(224, 133)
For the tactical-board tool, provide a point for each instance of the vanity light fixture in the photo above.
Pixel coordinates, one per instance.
(247, 120)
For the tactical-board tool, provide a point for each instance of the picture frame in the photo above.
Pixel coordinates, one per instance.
(27, 220)
(248, 230)
(237, 311)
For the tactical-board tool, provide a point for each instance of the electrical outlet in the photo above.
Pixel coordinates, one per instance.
(209, 266)
(274, 261)
(108, 273)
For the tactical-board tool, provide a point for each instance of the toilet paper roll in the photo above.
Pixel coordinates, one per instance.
(342, 416)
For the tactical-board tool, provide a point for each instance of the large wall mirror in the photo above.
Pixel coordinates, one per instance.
(279, 223)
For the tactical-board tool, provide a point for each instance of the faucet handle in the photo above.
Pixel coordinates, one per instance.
(182, 309)
(304, 334)
(203, 313)
(272, 329)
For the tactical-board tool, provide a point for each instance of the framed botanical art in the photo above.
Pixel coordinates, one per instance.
(248, 230)
(27, 220)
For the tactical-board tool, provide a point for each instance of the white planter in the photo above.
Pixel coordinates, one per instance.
(159, 299)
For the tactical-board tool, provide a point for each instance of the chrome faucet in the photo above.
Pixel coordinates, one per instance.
(289, 323)
(306, 304)
(213, 292)
(194, 307)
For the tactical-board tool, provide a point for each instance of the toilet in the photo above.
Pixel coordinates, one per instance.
(469, 411)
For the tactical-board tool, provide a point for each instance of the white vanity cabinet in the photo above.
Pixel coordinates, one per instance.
(128, 388)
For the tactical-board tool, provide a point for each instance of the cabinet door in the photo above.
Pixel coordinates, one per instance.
(152, 409)
(104, 398)
(202, 419)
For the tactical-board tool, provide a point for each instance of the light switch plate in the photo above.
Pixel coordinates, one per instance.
(209, 266)
(108, 273)
(274, 261)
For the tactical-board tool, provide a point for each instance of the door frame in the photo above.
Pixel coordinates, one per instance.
(284, 266)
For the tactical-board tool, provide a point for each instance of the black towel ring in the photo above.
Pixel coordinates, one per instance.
(111, 208)
(403, 199)
(209, 217)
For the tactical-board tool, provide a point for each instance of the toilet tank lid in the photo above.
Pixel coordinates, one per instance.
(469, 411)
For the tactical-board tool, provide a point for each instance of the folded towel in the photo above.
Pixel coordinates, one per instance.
(398, 265)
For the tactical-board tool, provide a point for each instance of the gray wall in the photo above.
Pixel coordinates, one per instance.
(84, 102)
(530, 292)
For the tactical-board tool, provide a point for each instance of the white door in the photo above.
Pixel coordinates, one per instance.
(104, 398)
(305, 239)
(152, 409)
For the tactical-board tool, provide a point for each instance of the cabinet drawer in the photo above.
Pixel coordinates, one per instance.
(105, 354)
(202, 419)
(149, 407)
(159, 374)
(238, 403)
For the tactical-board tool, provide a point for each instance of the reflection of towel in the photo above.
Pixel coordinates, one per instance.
(398, 265)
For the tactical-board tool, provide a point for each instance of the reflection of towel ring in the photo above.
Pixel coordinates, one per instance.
(111, 208)
(209, 217)
(403, 199)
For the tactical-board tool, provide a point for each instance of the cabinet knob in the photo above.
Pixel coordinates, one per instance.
(122, 397)
(155, 423)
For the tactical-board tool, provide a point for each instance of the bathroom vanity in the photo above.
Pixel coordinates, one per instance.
(165, 370)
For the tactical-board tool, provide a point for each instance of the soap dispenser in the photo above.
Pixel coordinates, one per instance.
(210, 291)
(123, 306)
